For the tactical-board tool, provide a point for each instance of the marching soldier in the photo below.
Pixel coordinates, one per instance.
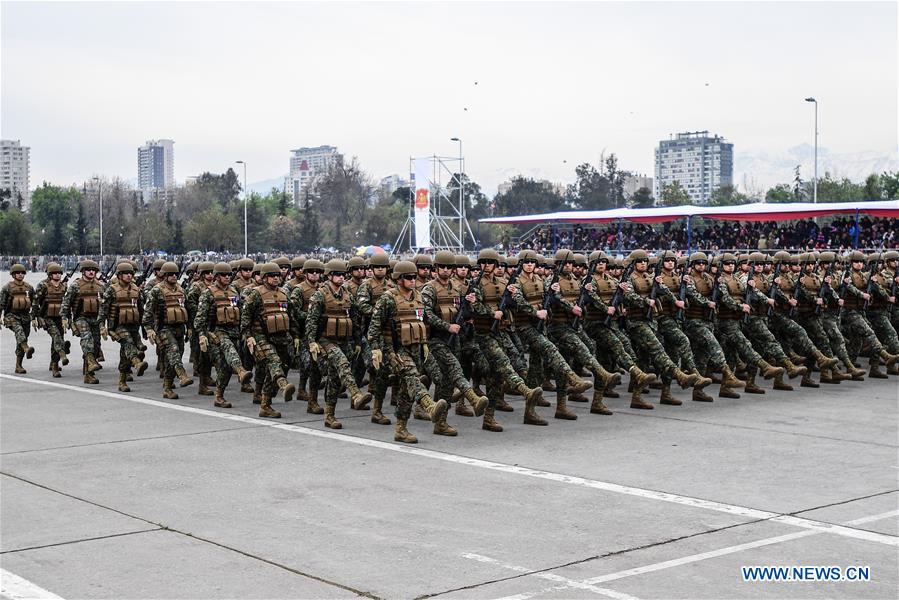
(218, 329)
(16, 300)
(299, 300)
(398, 337)
(367, 296)
(45, 313)
(882, 298)
(859, 331)
(165, 320)
(329, 335)
(356, 272)
(266, 328)
(120, 318)
(202, 360)
(296, 266)
(424, 266)
(80, 309)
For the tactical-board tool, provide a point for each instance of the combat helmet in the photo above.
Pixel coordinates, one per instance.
(222, 268)
(488, 255)
(88, 264)
(17, 268)
(404, 267)
(53, 268)
(379, 260)
(124, 267)
(168, 268)
(269, 268)
(313, 264)
(335, 265)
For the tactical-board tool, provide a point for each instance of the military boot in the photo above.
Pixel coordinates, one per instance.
(700, 396)
(168, 388)
(795, 358)
(331, 421)
(609, 392)
(441, 427)
(840, 375)
(257, 393)
(27, 350)
(889, 359)
(598, 407)
(139, 365)
(685, 380)
(577, 398)
(807, 381)
(19, 368)
(376, 416)
(562, 411)
(827, 376)
(123, 383)
(203, 387)
(822, 361)
(702, 381)
(503, 406)
(548, 385)
(183, 379)
(781, 385)
(312, 405)
(876, 373)
(220, 401)
(419, 413)
(461, 409)
(243, 376)
(893, 370)
(576, 385)
(265, 408)
(639, 378)
(246, 388)
(727, 391)
(401, 434)
(436, 410)
(768, 370)
(637, 400)
(54, 367)
(793, 370)
(510, 391)
(91, 363)
(128, 377)
(360, 399)
(728, 379)
(490, 423)
(667, 398)
(530, 408)
(287, 389)
(751, 386)
(63, 358)
(856, 373)
(478, 403)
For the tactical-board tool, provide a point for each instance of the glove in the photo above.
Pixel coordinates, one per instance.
(104, 333)
(357, 350)
(151, 335)
(39, 323)
(315, 350)
(204, 344)
(297, 345)
(425, 351)
(190, 333)
(377, 357)
(251, 345)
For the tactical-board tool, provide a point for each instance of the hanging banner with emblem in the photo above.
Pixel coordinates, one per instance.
(422, 203)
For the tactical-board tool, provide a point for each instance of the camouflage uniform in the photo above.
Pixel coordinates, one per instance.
(202, 360)
(367, 297)
(218, 320)
(47, 305)
(166, 316)
(80, 306)
(441, 304)
(608, 338)
(120, 314)
(263, 317)
(699, 325)
(755, 325)
(16, 301)
(878, 312)
(310, 373)
(677, 345)
(731, 299)
(783, 326)
(640, 328)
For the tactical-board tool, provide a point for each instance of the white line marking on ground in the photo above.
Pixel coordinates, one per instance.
(14, 587)
(738, 511)
(677, 562)
(564, 581)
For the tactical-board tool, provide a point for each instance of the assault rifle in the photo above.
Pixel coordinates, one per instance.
(825, 289)
(872, 270)
(465, 306)
(654, 292)
(775, 287)
(682, 296)
(145, 274)
(104, 277)
(582, 298)
(802, 266)
(893, 293)
(716, 294)
(750, 291)
(507, 296)
(550, 297)
(619, 294)
(70, 273)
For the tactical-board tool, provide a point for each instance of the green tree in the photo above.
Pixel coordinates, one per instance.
(779, 193)
(213, 229)
(592, 191)
(727, 195)
(283, 201)
(177, 245)
(343, 194)
(889, 182)
(616, 178)
(831, 189)
(80, 234)
(52, 208)
(310, 234)
(527, 196)
(282, 234)
(15, 232)
(674, 195)
(642, 198)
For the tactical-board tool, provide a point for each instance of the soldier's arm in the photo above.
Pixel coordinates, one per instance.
(201, 321)
(726, 299)
(65, 310)
(478, 307)
(520, 303)
(380, 314)
(879, 290)
(853, 290)
(4, 298)
(105, 304)
(631, 297)
(693, 295)
(251, 304)
(432, 313)
(313, 315)
(149, 318)
(363, 299)
(296, 300)
(39, 294)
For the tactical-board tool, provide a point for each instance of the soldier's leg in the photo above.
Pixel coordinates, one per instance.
(516, 357)
(860, 333)
(883, 329)
(831, 324)
(763, 341)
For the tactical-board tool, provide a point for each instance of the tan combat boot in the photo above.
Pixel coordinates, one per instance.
(856, 373)
(503, 406)
(667, 398)
(840, 375)
(63, 358)
(139, 365)
(576, 398)
(875, 372)
(828, 376)
(701, 396)
(751, 386)
(702, 381)
(360, 399)
(419, 413)
(331, 421)
(478, 403)
(461, 409)
(265, 408)
(436, 410)
(548, 385)
(203, 387)
(168, 389)
(807, 381)
(562, 411)
(376, 416)
(768, 370)
(220, 401)
(246, 388)
(609, 392)
(287, 389)
(257, 392)
(441, 427)
(54, 367)
(123, 383)
(576, 385)
(781, 385)
(490, 423)
(794, 370)
(640, 378)
(728, 378)
(799, 360)
(686, 380)
(728, 392)
(894, 370)
(27, 350)
(889, 359)
(530, 408)
(243, 376)
(822, 361)
(19, 368)
(184, 379)
(637, 400)
(91, 363)
(88, 376)
(598, 407)
(312, 405)
(401, 434)
(604, 378)
(510, 391)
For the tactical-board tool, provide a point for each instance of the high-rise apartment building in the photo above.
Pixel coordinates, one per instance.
(15, 171)
(156, 165)
(699, 162)
(307, 163)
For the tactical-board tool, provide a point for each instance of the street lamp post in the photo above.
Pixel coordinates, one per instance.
(245, 197)
(461, 193)
(815, 187)
(100, 201)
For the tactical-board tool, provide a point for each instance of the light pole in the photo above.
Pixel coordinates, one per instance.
(815, 188)
(461, 193)
(100, 200)
(245, 192)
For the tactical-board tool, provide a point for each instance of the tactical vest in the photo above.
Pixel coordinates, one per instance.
(53, 300)
(737, 292)
(240, 283)
(604, 286)
(409, 319)
(642, 283)
(672, 282)
(421, 283)
(532, 288)
(125, 309)
(337, 325)
(760, 309)
(811, 284)
(493, 290)
(89, 295)
(352, 287)
(275, 317)
(850, 301)
(227, 313)
(172, 311)
(879, 302)
(293, 283)
(376, 289)
(703, 282)
(569, 290)
(20, 296)
(448, 300)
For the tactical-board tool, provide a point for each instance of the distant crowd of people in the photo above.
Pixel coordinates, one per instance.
(791, 235)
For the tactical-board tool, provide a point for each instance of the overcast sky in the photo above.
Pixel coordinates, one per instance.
(544, 83)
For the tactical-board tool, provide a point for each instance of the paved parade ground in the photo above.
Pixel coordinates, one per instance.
(111, 495)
